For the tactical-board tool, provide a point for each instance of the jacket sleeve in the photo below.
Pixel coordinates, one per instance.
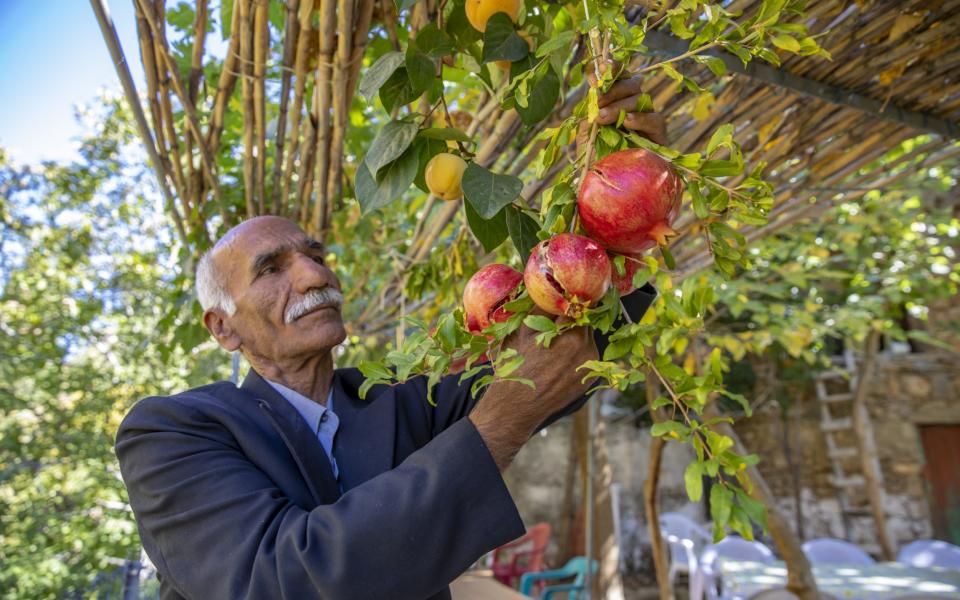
(218, 527)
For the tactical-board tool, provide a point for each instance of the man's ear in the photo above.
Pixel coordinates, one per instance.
(217, 324)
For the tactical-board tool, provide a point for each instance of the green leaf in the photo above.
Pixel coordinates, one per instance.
(693, 479)
(721, 168)
(542, 99)
(722, 136)
(487, 191)
(721, 502)
(374, 370)
(660, 429)
(699, 202)
(420, 69)
(403, 5)
(394, 181)
(398, 90)
(391, 141)
(754, 509)
(523, 231)
(715, 64)
(501, 42)
(433, 42)
(618, 348)
(540, 323)
(739, 399)
(444, 133)
(558, 42)
(786, 42)
(378, 73)
(460, 28)
(489, 232)
(668, 258)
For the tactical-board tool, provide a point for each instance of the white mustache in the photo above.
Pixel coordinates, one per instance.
(316, 297)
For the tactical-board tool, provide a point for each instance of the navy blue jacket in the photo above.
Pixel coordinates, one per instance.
(235, 499)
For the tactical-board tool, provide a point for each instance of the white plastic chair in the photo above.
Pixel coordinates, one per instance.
(685, 538)
(831, 551)
(731, 547)
(930, 553)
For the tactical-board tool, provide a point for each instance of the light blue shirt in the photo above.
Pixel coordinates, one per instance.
(321, 419)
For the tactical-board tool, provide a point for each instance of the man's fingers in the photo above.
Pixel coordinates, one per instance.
(604, 66)
(609, 113)
(650, 125)
(624, 88)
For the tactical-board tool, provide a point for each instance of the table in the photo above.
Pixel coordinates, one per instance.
(740, 579)
(480, 585)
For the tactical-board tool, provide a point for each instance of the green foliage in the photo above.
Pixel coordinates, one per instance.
(89, 266)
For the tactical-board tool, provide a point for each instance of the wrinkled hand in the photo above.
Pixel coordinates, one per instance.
(624, 95)
(510, 412)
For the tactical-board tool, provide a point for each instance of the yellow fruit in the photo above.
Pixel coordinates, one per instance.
(443, 175)
(480, 11)
(505, 64)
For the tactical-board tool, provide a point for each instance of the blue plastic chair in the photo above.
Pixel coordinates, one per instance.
(576, 567)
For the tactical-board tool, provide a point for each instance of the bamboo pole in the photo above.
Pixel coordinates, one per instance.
(226, 83)
(261, 44)
(299, 90)
(290, 39)
(340, 109)
(193, 124)
(328, 23)
(193, 86)
(109, 34)
(246, 84)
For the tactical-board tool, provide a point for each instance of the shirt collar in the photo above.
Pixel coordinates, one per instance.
(311, 411)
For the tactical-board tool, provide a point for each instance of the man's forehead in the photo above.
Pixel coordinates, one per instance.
(251, 238)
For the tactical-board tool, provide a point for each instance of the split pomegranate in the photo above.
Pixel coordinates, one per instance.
(629, 199)
(567, 274)
(624, 283)
(485, 294)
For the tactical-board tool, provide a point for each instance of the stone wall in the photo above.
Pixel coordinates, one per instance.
(909, 390)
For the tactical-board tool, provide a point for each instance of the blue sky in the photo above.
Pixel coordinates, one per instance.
(53, 58)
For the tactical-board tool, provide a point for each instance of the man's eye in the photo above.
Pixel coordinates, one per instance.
(268, 270)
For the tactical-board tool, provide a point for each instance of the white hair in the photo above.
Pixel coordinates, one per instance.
(212, 286)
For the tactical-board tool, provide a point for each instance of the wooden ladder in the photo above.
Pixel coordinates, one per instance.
(851, 447)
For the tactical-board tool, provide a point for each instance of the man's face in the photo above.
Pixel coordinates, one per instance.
(281, 287)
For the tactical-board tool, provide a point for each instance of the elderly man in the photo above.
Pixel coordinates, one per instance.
(290, 486)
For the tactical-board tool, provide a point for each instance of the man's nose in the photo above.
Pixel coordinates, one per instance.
(307, 273)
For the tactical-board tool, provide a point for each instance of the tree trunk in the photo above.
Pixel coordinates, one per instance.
(607, 583)
(653, 518)
(800, 579)
(660, 559)
(863, 429)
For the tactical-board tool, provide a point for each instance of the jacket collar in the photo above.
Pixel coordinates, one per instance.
(300, 440)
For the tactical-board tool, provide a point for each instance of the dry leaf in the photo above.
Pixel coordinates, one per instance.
(890, 75)
(903, 24)
(767, 130)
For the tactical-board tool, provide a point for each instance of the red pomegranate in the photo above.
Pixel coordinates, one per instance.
(566, 274)
(624, 283)
(629, 199)
(485, 294)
